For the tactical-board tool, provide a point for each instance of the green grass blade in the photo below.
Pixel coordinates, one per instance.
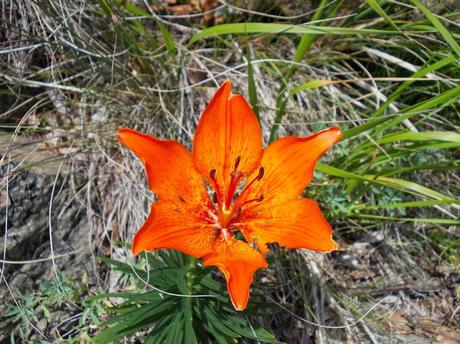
(440, 100)
(278, 28)
(167, 38)
(395, 183)
(407, 219)
(414, 204)
(439, 26)
(380, 11)
(310, 85)
(252, 86)
(304, 45)
(447, 136)
(418, 74)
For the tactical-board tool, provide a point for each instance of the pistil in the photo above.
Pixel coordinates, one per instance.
(226, 205)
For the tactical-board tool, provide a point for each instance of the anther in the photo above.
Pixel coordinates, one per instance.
(212, 174)
(261, 173)
(181, 199)
(261, 198)
(214, 198)
(237, 162)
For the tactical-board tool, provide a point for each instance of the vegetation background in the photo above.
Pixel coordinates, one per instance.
(387, 72)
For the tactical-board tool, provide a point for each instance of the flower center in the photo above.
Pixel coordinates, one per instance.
(228, 204)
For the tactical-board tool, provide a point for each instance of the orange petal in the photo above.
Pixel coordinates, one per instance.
(295, 223)
(169, 166)
(171, 226)
(238, 261)
(228, 129)
(289, 163)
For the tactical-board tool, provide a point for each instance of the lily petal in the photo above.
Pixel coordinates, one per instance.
(238, 261)
(289, 163)
(169, 167)
(171, 226)
(295, 223)
(227, 132)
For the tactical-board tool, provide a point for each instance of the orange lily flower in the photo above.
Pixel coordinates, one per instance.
(228, 183)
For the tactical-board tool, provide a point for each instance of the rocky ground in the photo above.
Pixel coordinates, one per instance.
(40, 217)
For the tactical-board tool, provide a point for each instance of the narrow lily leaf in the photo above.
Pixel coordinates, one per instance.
(439, 26)
(175, 331)
(160, 331)
(189, 333)
(276, 28)
(213, 319)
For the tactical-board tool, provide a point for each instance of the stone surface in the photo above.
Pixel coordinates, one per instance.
(34, 205)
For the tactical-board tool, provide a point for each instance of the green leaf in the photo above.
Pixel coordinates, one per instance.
(377, 8)
(278, 28)
(160, 331)
(175, 331)
(440, 100)
(447, 136)
(439, 26)
(217, 323)
(167, 38)
(189, 332)
(422, 72)
(398, 184)
(134, 9)
(412, 204)
(252, 86)
(407, 219)
(309, 85)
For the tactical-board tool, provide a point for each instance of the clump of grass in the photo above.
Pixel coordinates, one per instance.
(385, 72)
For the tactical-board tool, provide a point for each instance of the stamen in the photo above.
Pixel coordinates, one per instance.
(218, 193)
(214, 198)
(261, 173)
(256, 179)
(259, 199)
(212, 174)
(237, 163)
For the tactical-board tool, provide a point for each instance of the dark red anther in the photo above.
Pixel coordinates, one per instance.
(261, 198)
(214, 198)
(261, 173)
(181, 199)
(237, 163)
(212, 174)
